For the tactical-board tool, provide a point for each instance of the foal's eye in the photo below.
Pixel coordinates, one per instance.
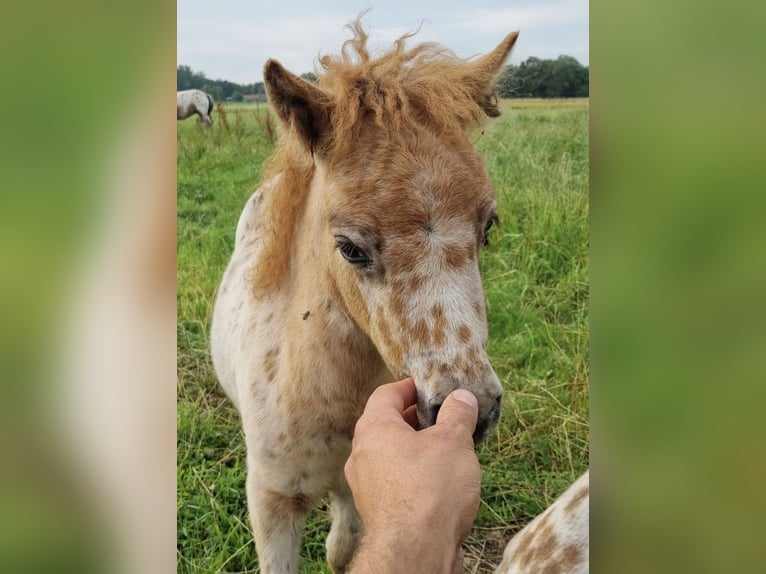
(351, 252)
(487, 227)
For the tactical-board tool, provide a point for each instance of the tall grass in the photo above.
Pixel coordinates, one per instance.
(536, 281)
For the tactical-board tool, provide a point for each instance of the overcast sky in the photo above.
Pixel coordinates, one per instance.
(232, 39)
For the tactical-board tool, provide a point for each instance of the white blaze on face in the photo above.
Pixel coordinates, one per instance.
(430, 323)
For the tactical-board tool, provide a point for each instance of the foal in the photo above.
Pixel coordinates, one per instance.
(355, 264)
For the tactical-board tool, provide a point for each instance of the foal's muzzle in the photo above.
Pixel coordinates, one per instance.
(489, 415)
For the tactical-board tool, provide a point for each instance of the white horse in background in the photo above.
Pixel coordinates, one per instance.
(190, 102)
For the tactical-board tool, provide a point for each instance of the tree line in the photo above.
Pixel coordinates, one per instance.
(188, 79)
(563, 77)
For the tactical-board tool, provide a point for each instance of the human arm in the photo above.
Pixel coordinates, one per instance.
(416, 491)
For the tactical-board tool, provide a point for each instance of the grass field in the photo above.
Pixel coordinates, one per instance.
(536, 281)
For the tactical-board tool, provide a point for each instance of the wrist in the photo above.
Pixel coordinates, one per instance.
(392, 550)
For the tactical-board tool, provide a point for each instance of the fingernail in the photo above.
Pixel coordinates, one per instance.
(465, 396)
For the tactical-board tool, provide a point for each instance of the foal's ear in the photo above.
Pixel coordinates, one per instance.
(482, 73)
(299, 104)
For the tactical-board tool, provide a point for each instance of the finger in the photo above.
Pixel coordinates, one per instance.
(387, 405)
(389, 401)
(410, 415)
(459, 410)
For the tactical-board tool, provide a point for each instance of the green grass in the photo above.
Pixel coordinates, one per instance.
(536, 281)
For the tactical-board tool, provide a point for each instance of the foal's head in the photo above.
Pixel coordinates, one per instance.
(407, 205)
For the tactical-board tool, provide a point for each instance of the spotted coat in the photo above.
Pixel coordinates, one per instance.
(556, 542)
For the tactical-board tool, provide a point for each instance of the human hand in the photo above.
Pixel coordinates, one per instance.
(416, 491)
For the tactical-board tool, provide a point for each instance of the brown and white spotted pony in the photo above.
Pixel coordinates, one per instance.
(190, 102)
(356, 264)
(556, 541)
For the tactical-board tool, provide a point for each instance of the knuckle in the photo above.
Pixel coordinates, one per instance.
(452, 432)
(361, 426)
(348, 468)
(458, 422)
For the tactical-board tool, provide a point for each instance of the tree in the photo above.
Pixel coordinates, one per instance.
(237, 96)
(183, 77)
(507, 82)
(310, 76)
(564, 77)
(214, 90)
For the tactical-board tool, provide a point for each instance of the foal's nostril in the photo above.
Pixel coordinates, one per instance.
(480, 431)
(435, 412)
(427, 413)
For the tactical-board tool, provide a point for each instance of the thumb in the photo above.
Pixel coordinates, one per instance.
(460, 409)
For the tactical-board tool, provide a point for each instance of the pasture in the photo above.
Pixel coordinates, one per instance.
(535, 274)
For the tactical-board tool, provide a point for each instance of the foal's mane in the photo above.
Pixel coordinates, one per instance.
(426, 85)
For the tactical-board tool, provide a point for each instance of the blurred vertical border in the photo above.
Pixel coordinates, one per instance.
(87, 277)
(678, 233)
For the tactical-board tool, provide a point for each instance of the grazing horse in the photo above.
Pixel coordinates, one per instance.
(190, 102)
(355, 264)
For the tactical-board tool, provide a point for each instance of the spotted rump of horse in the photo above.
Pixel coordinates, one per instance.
(190, 102)
(356, 263)
(557, 541)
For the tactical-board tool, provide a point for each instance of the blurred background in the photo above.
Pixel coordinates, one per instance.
(87, 305)
(678, 277)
